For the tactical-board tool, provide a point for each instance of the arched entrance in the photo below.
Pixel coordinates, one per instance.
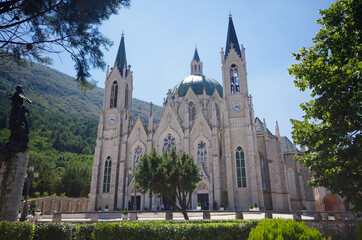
(332, 203)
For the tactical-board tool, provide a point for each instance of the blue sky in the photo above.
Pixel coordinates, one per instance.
(160, 38)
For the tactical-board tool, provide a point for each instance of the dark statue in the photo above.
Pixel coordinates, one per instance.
(19, 127)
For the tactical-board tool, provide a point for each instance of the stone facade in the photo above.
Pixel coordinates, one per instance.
(240, 160)
(12, 176)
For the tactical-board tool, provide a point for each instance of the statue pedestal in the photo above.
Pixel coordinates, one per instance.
(12, 176)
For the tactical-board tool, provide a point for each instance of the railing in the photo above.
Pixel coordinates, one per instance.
(169, 215)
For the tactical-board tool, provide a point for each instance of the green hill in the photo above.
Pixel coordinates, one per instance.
(63, 124)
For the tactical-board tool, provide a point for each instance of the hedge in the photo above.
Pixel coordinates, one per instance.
(194, 229)
(270, 229)
(173, 229)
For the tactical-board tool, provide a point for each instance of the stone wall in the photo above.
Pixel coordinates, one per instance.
(50, 205)
(341, 230)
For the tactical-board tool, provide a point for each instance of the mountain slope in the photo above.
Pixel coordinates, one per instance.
(59, 92)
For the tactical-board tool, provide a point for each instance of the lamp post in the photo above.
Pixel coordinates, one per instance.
(30, 179)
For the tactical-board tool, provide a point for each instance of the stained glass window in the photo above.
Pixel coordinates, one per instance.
(262, 172)
(107, 174)
(240, 167)
(202, 156)
(169, 142)
(137, 156)
(192, 111)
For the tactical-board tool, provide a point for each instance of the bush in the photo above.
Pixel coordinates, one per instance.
(85, 231)
(283, 229)
(180, 230)
(255, 204)
(16, 231)
(32, 208)
(55, 231)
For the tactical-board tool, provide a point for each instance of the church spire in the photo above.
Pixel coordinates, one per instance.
(196, 64)
(196, 56)
(121, 60)
(232, 40)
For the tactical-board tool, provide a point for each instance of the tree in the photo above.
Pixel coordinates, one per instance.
(331, 126)
(30, 29)
(172, 175)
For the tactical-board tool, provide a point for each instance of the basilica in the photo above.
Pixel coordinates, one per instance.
(241, 161)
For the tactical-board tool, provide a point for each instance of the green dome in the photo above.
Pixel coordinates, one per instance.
(198, 83)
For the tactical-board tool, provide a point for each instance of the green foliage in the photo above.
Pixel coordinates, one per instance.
(55, 231)
(32, 28)
(16, 230)
(159, 230)
(255, 204)
(283, 229)
(331, 126)
(172, 175)
(32, 208)
(174, 229)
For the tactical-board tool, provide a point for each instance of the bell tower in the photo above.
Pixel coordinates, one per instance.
(243, 185)
(108, 166)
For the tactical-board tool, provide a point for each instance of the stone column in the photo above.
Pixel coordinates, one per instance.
(12, 176)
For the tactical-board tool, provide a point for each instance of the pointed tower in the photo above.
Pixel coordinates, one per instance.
(196, 64)
(110, 151)
(243, 182)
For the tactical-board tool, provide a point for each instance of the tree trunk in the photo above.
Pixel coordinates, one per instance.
(150, 200)
(185, 214)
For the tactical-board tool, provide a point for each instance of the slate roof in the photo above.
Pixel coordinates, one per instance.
(259, 126)
(198, 83)
(121, 59)
(196, 56)
(287, 145)
(232, 38)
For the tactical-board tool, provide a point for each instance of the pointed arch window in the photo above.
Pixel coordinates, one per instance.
(202, 156)
(169, 142)
(234, 79)
(240, 167)
(262, 169)
(138, 152)
(107, 174)
(114, 94)
(192, 111)
(126, 97)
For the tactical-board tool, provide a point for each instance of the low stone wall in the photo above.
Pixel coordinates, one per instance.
(50, 205)
(341, 230)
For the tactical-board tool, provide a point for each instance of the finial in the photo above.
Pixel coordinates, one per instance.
(122, 36)
(230, 16)
(139, 110)
(195, 46)
(151, 104)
